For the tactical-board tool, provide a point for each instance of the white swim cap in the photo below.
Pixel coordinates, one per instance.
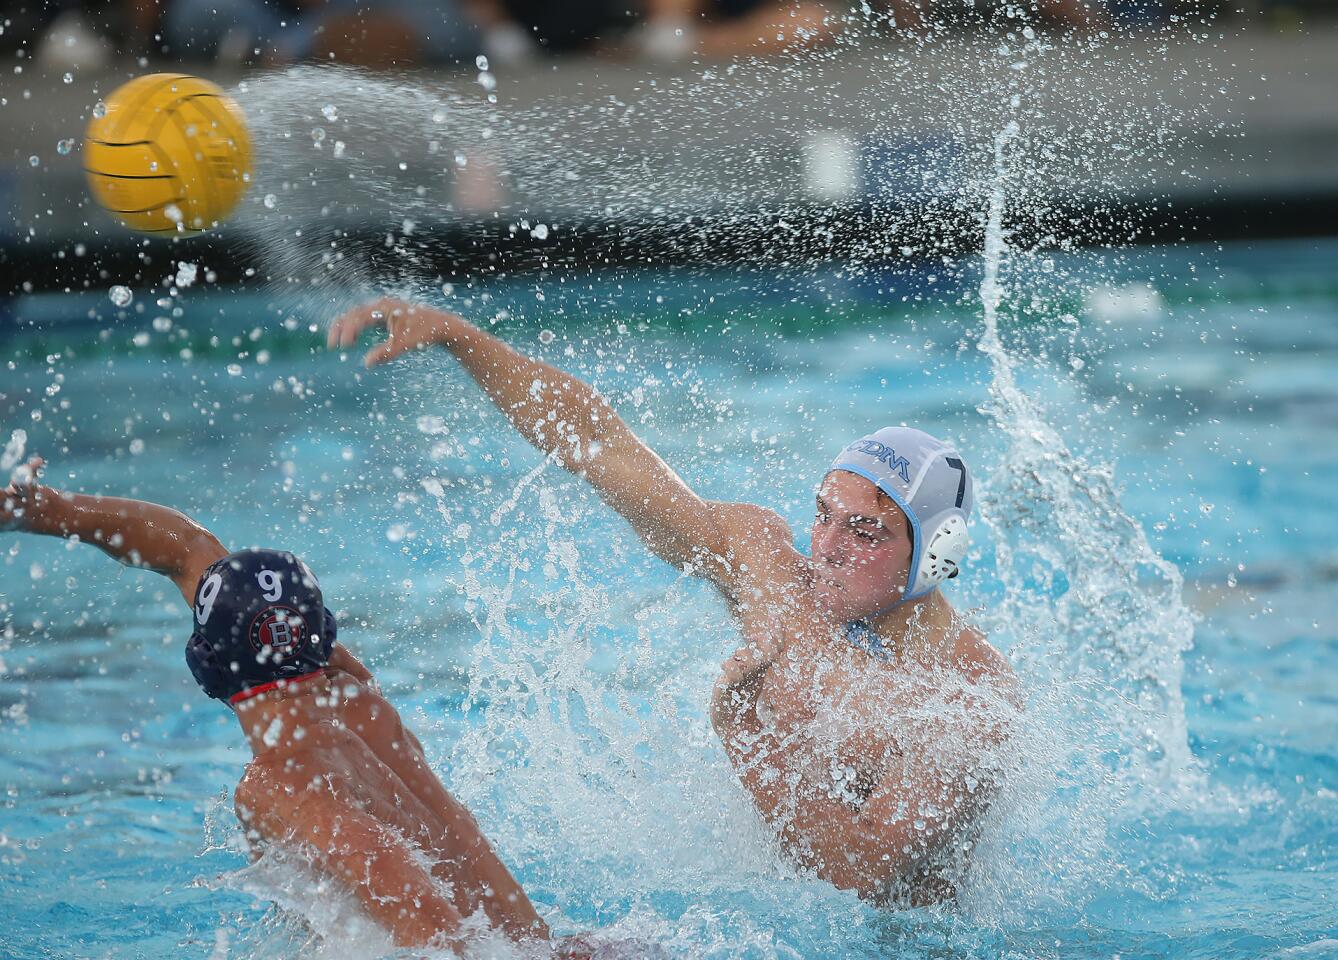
(929, 481)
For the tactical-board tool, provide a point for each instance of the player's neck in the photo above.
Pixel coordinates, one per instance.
(271, 720)
(918, 630)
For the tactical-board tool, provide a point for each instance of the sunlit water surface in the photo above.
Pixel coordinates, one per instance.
(558, 676)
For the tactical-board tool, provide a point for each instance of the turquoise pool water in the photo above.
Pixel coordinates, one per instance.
(558, 675)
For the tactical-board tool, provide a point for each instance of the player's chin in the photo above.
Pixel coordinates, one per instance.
(833, 600)
(866, 604)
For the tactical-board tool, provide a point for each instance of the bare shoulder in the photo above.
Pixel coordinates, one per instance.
(284, 783)
(986, 667)
(756, 535)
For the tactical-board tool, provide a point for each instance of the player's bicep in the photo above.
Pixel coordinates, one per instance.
(676, 524)
(196, 558)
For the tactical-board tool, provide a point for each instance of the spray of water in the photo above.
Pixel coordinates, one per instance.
(1098, 627)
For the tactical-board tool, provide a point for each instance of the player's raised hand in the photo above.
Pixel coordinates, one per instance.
(23, 494)
(409, 326)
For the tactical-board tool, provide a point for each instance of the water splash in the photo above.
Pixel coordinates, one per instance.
(587, 756)
(628, 153)
(1098, 627)
(15, 447)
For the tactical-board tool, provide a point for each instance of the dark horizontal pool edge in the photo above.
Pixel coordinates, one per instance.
(788, 237)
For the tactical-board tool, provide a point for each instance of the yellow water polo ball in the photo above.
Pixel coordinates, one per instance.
(168, 153)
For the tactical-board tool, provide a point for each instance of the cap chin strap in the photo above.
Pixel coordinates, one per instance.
(250, 692)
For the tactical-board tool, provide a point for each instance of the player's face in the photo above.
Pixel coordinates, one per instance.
(861, 546)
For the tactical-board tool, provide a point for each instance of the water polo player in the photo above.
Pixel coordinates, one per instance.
(864, 716)
(334, 770)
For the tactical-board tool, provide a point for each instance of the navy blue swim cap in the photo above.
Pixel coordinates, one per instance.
(260, 619)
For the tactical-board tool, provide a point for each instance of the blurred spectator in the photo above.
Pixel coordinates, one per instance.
(514, 31)
(67, 34)
(69, 43)
(57, 35)
(721, 28)
(385, 33)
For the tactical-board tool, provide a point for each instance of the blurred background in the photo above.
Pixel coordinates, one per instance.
(692, 130)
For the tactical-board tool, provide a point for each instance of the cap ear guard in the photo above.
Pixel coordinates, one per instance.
(943, 554)
(329, 633)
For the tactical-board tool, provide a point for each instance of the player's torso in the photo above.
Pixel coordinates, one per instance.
(837, 712)
(844, 713)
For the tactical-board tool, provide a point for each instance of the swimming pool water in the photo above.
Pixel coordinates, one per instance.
(1203, 376)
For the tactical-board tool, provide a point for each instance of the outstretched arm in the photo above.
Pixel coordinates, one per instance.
(134, 532)
(568, 419)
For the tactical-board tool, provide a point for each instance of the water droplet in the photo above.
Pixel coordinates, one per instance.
(329, 112)
(162, 324)
(34, 160)
(173, 213)
(318, 134)
(270, 201)
(487, 81)
(234, 369)
(448, 289)
(64, 147)
(120, 295)
(339, 149)
(540, 231)
(481, 62)
(1077, 363)
(68, 78)
(547, 336)
(99, 110)
(438, 116)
